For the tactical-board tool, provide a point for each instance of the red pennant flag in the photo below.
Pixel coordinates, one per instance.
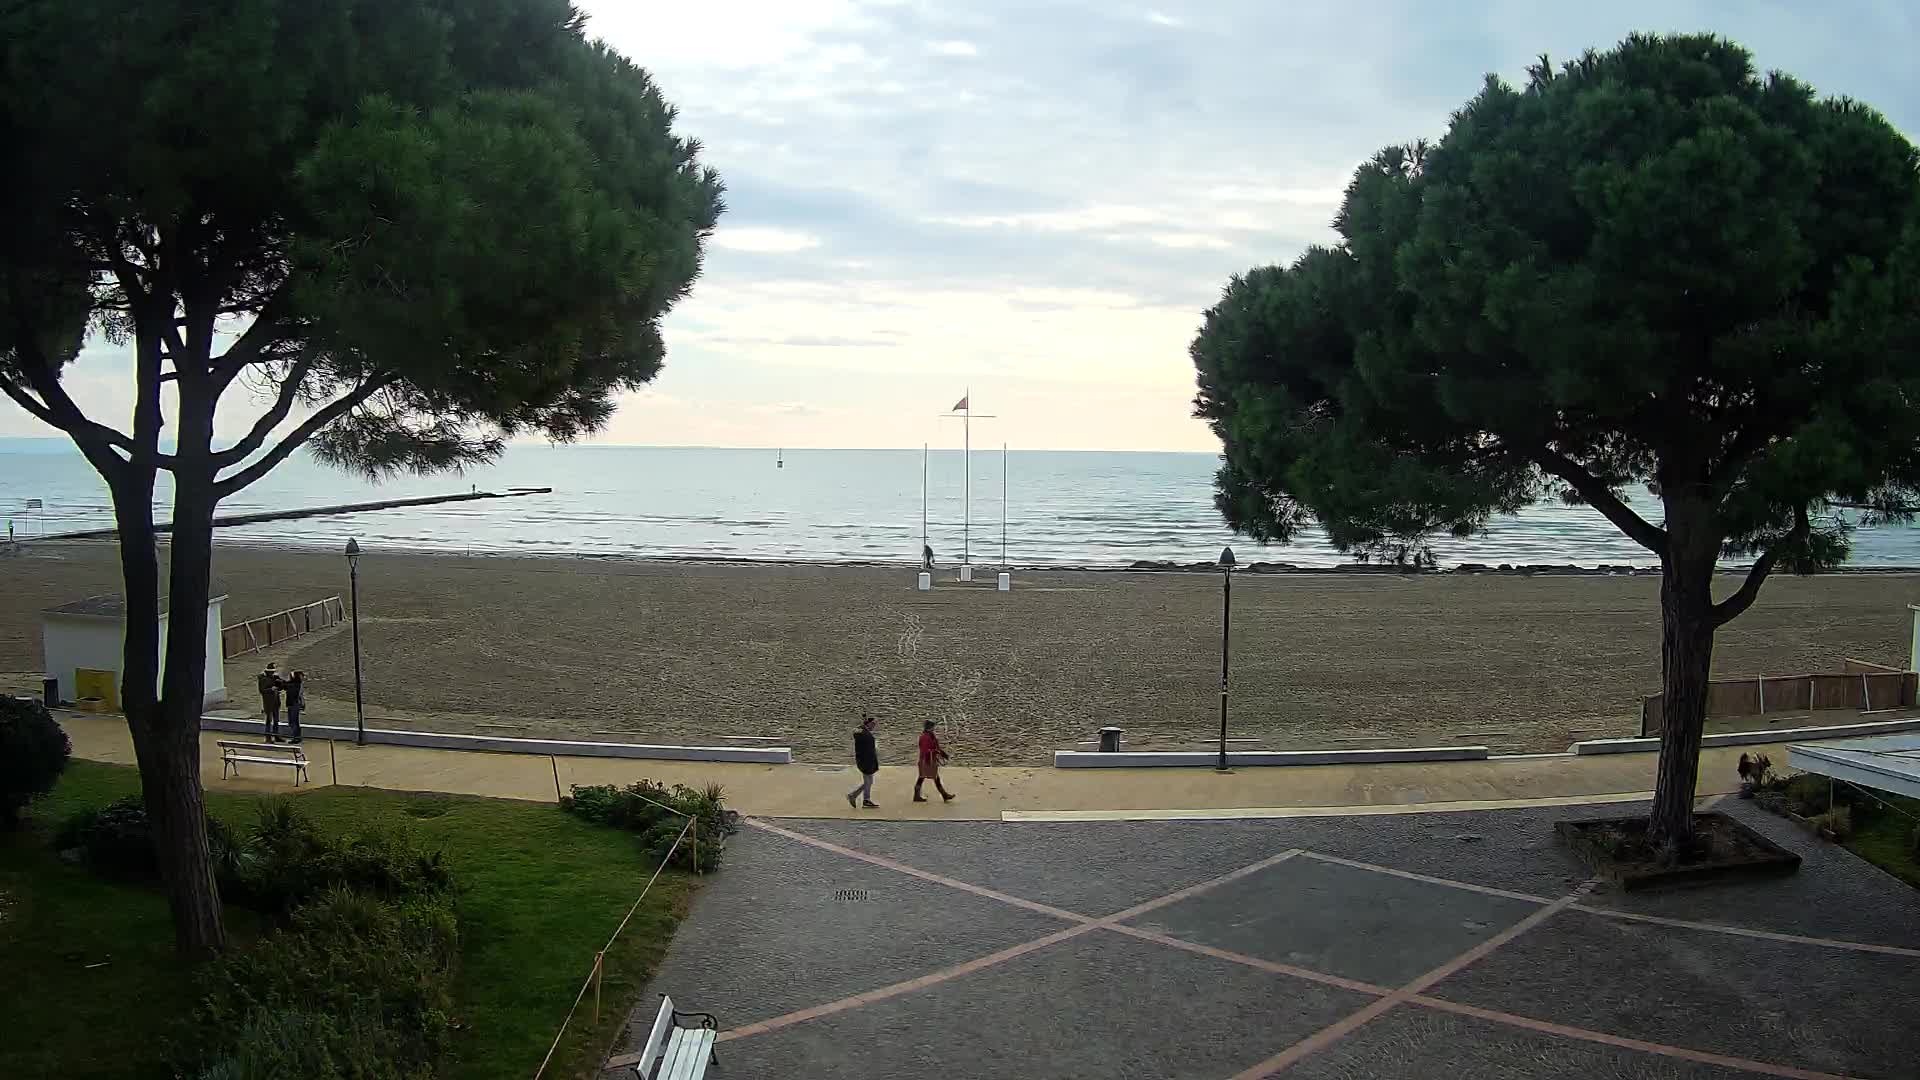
(962, 405)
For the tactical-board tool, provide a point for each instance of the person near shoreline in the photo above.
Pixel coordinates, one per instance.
(270, 701)
(926, 556)
(931, 755)
(866, 756)
(296, 688)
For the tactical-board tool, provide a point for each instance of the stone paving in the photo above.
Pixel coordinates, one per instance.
(1395, 947)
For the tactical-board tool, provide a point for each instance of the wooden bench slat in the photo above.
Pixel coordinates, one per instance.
(687, 1054)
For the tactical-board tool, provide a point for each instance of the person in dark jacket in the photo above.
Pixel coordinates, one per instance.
(296, 701)
(867, 758)
(270, 685)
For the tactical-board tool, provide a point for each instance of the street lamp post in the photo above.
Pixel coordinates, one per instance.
(1226, 631)
(353, 586)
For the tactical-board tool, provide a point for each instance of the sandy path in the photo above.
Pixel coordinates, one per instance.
(684, 653)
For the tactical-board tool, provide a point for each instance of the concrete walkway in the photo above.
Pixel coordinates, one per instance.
(989, 794)
(1403, 947)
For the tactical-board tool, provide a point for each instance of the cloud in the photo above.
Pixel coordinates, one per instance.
(1039, 198)
(763, 239)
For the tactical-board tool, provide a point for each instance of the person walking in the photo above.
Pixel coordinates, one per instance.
(931, 755)
(926, 556)
(296, 701)
(270, 701)
(867, 758)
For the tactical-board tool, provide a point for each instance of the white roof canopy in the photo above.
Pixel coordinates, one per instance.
(1885, 762)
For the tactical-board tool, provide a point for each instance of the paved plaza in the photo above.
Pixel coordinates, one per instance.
(1460, 946)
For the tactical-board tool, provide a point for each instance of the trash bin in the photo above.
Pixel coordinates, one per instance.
(50, 692)
(1110, 740)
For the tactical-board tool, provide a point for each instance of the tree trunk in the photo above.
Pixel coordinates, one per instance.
(1686, 661)
(175, 801)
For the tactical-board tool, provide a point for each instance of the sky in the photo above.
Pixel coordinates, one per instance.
(1035, 201)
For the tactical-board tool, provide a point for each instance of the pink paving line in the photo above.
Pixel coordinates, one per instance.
(1741, 931)
(978, 963)
(1584, 1035)
(910, 871)
(1450, 883)
(1630, 916)
(1340, 1029)
(801, 1016)
(1273, 966)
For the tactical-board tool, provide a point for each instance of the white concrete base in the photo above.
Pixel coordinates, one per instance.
(1004, 583)
(1749, 738)
(966, 571)
(765, 755)
(925, 582)
(1135, 759)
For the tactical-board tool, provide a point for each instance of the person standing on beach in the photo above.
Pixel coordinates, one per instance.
(866, 757)
(270, 701)
(296, 701)
(931, 755)
(926, 555)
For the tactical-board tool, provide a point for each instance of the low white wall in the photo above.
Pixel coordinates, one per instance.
(1749, 738)
(764, 755)
(1134, 759)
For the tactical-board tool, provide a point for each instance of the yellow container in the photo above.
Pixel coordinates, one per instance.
(97, 684)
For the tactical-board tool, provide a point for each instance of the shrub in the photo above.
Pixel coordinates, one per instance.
(354, 986)
(1809, 794)
(114, 839)
(1838, 822)
(274, 1045)
(1916, 843)
(33, 754)
(287, 862)
(654, 813)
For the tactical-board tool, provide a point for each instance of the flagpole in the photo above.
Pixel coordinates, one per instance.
(1003, 506)
(923, 496)
(966, 472)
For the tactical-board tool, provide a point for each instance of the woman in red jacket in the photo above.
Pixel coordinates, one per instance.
(931, 755)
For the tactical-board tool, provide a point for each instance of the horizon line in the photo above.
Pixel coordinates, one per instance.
(67, 442)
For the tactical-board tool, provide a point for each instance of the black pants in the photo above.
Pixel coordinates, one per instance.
(272, 709)
(293, 722)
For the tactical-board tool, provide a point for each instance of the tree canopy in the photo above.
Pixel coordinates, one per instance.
(1651, 267)
(397, 232)
(430, 223)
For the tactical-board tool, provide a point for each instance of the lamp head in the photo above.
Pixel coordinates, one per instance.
(1226, 558)
(353, 552)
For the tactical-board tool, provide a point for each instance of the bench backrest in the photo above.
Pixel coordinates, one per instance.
(275, 748)
(656, 1039)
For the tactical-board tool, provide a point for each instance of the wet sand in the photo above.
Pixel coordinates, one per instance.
(676, 652)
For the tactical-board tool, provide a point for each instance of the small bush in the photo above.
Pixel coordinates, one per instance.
(274, 1045)
(654, 813)
(1837, 821)
(114, 839)
(1809, 794)
(33, 753)
(1916, 843)
(287, 861)
(354, 986)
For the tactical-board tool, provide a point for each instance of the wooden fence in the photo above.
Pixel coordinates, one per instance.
(256, 634)
(1863, 687)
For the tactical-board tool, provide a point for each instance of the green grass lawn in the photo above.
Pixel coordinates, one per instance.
(1886, 839)
(539, 892)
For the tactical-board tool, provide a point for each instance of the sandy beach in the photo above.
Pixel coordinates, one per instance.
(673, 652)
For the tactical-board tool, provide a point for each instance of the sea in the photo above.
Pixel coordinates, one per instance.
(1028, 508)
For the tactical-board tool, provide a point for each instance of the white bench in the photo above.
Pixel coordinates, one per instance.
(683, 1053)
(291, 755)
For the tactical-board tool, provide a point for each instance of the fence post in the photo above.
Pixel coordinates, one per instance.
(599, 959)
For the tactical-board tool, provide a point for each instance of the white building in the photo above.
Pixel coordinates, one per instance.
(84, 642)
